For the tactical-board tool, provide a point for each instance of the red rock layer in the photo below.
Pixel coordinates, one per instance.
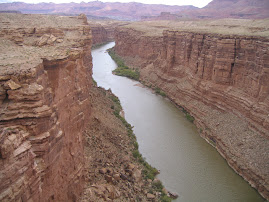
(43, 113)
(99, 34)
(104, 31)
(223, 81)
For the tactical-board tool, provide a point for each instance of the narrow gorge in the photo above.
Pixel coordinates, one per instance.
(219, 75)
(59, 138)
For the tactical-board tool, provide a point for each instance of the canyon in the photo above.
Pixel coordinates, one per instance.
(103, 30)
(59, 137)
(218, 72)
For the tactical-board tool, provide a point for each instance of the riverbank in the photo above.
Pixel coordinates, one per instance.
(115, 169)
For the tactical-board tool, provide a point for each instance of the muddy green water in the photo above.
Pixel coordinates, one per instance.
(189, 165)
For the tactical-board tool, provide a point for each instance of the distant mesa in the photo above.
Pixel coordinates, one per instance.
(9, 11)
(256, 9)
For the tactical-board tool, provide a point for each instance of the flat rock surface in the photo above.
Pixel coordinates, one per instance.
(20, 37)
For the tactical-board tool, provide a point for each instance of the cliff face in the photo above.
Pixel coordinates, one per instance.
(99, 34)
(103, 30)
(45, 77)
(222, 80)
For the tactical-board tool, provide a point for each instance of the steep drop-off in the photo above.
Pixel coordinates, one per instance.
(61, 137)
(103, 30)
(45, 78)
(99, 34)
(221, 79)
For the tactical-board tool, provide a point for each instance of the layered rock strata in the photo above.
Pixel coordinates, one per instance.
(103, 30)
(45, 77)
(221, 80)
(99, 34)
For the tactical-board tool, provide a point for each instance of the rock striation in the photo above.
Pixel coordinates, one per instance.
(103, 30)
(45, 77)
(222, 80)
(99, 34)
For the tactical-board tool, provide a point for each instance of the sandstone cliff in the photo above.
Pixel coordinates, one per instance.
(99, 34)
(45, 77)
(103, 30)
(221, 79)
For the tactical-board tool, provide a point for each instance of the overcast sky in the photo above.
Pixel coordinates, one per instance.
(197, 3)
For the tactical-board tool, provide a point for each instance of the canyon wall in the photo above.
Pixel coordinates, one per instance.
(45, 77)
(221, 80)
(99, 34)
(103, 30)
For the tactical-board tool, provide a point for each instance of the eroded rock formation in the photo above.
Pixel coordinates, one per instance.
(45, 77)
(103, 30)
(99, 34)
(222, 80)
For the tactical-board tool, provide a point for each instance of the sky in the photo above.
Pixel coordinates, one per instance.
(197, 3)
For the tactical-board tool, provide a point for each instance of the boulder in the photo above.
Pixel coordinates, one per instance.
(103, 170)
(172, 195)
(150, 196)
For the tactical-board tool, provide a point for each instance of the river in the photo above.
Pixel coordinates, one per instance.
(188, 165)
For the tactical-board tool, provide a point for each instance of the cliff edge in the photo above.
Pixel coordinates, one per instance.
(45, 78)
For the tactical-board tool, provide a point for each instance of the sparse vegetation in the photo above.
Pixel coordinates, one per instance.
(160, 92)
(189, 117)
(165, 198)
(122, 69)
(125, 71)
(158, 187)
(149, 172)
(94, 82)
